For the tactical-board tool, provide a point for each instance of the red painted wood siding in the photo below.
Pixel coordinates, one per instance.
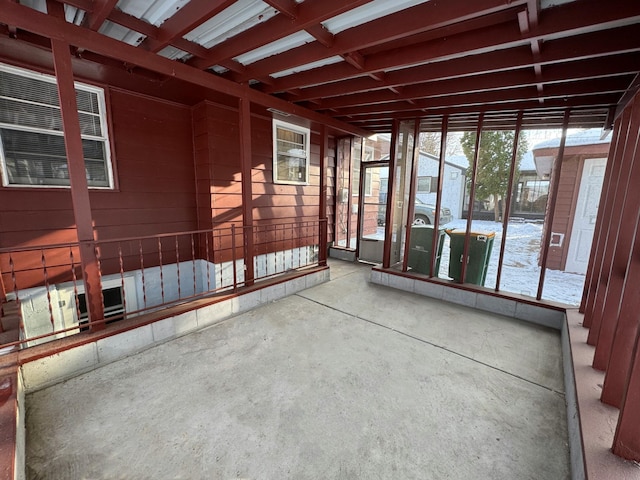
(153, 162)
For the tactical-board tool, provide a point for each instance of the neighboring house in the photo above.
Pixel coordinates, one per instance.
(452, 184)
(581, 176)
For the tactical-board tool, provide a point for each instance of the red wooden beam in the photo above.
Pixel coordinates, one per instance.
(626, 64)
(391, 195)
(324, 157)
(472, 196)
(77, 177)
(517, 94)
(246, 162)
(321, 34)
(413, 156)
(42, 24)
(309, 14)
(183, 21)
(100, 12)
(558, 22)
(551, 207)
(507, 200)
(411, 21)
(288, 8)
(590, 45)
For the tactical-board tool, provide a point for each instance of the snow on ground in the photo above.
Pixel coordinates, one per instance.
(520, 270)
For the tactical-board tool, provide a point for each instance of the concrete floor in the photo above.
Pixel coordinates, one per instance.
(345, 380)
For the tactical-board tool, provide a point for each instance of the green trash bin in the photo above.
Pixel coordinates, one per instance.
(480, 246)
(420, 248)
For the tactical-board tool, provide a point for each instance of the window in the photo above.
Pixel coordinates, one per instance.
(290, 153)
(427, 184)
(32, 151)
(113, 306)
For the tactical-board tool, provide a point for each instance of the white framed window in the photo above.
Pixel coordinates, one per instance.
(32, 149)
(291, 153)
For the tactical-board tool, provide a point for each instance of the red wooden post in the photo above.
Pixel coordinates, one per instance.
(626, 442)
(412, 190)
(598, 237)
(436, 220)
(627, 330)
(606, 204)
(610, 286)
(472, 196)
(551, 208)
(507, 201)
(78, 181)
(393, 157)
(629, 193)
(322, 217)
(247, 187)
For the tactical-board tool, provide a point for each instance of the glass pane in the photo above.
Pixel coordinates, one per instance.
(404, 161)
(40, 159)
(15, 112)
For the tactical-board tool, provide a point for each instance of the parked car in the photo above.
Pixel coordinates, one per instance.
(423, 214)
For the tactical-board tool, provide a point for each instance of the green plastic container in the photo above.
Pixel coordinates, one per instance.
(420, 248)
(480, 246)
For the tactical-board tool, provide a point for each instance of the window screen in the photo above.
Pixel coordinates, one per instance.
(32, 149)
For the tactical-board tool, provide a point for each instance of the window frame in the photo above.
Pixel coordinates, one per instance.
(280, 124)
(104, 127)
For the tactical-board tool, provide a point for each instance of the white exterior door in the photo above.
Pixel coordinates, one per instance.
(585, 216)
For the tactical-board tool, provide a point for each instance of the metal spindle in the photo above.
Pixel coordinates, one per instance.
(206, 241)
(178, 267)
(161, 274)
(14, 280)
(75, 283)
(46, 284)
(233, 256)
(144, 286)
(221, 251)
(193, 264)
(298, 246)
(124, 295)
(99, 263)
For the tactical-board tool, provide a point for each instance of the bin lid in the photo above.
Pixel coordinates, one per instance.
(453, 231)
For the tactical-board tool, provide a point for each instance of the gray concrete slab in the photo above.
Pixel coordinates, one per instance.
(300, 389)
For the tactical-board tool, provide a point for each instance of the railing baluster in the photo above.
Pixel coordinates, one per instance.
(124, 294)
(298, 245)
(14, 280)
(233, 257)
(96, 249)
(178, 267)
(161, 274)
(206, 241)
(144, 285)
(291, 246)
(75, 284)
(46, 285)
(193, 264)
(274, 244)
(221, 250)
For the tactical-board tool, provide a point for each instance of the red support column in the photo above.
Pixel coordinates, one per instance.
(78, 180)
(247, 187)
(626, 442)
(606, 205)
(412, 191)
(627, 328)
(393, 157)
(472, 197)
(610, 286)
(551, 208)
(322, 217)
(629, 194)
(598, 237)
(507, 200)
(436, 219)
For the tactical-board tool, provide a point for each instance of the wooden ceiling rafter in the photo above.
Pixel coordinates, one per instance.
(558, 24)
